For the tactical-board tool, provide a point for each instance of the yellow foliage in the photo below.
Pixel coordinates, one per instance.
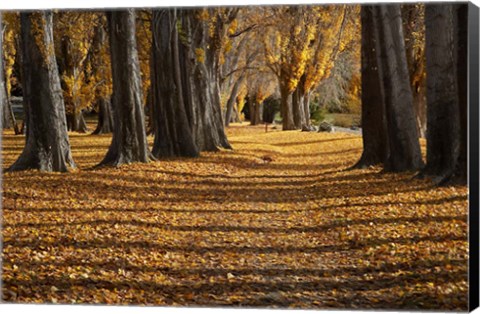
(38, 29)
(200, 54)
(233, 27)
(144, 44)
(12, 28)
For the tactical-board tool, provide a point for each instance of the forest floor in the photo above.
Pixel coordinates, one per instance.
(279, 221)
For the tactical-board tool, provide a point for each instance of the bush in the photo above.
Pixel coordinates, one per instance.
(271, 107)
(346, 120)
(317, 113)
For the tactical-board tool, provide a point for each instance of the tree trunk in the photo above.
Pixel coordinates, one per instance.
(306, 112)
(105, 117)
(3, 90)
(173, 133)
(374, 125)
(129, 140)
(404, 147)
(5, 111)
(13, 120)
(412, 15)
(301, 107)
(47, 146)
(100, 69)
(442, 101)
(286, 109)
(208, 125)
(297, 107)
(256, 112)
(232, 99)
(457, 19)
(460, 175)
(76, 122)
(150, 114)
(236, 115)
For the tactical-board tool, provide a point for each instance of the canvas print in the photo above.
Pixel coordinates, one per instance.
(285, 156)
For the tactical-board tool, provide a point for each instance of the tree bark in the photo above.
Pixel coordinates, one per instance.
(256, 112)
(76, 122)
(173, 133)
(105, 117)
(460, 175)
(101, 70)
(374, 125)
(301, 107)
(3, 90)
(233, 98)
(442, 101)
(12, 118)
(202, 82)
(297, 107)
(447, 80)
(306, 111)
(286, 109)
(47, 146)
(404, 148)
(412, 15)
(129, 140)
(5, 111)
(150, 115)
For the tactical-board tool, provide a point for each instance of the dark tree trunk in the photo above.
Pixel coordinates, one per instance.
(105, 117)
(286, 110)
(442, 101)
(173, 134)
(404, 148)
(76, 122)
(129, 141)
(256, 112)
(102, 71)
(449, 135)
(150, 113)
(460, 175)
(47, 146)
(374, 126)
(297, 107)
(232, 99)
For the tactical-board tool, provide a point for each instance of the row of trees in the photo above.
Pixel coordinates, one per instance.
(390, 136)
(254, 46)
(185, 85)
(183, 62)
(195, 68)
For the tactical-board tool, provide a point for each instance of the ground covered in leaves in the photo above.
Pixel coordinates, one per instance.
(278, 222)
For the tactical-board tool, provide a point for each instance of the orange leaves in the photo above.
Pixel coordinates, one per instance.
(224, 229)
